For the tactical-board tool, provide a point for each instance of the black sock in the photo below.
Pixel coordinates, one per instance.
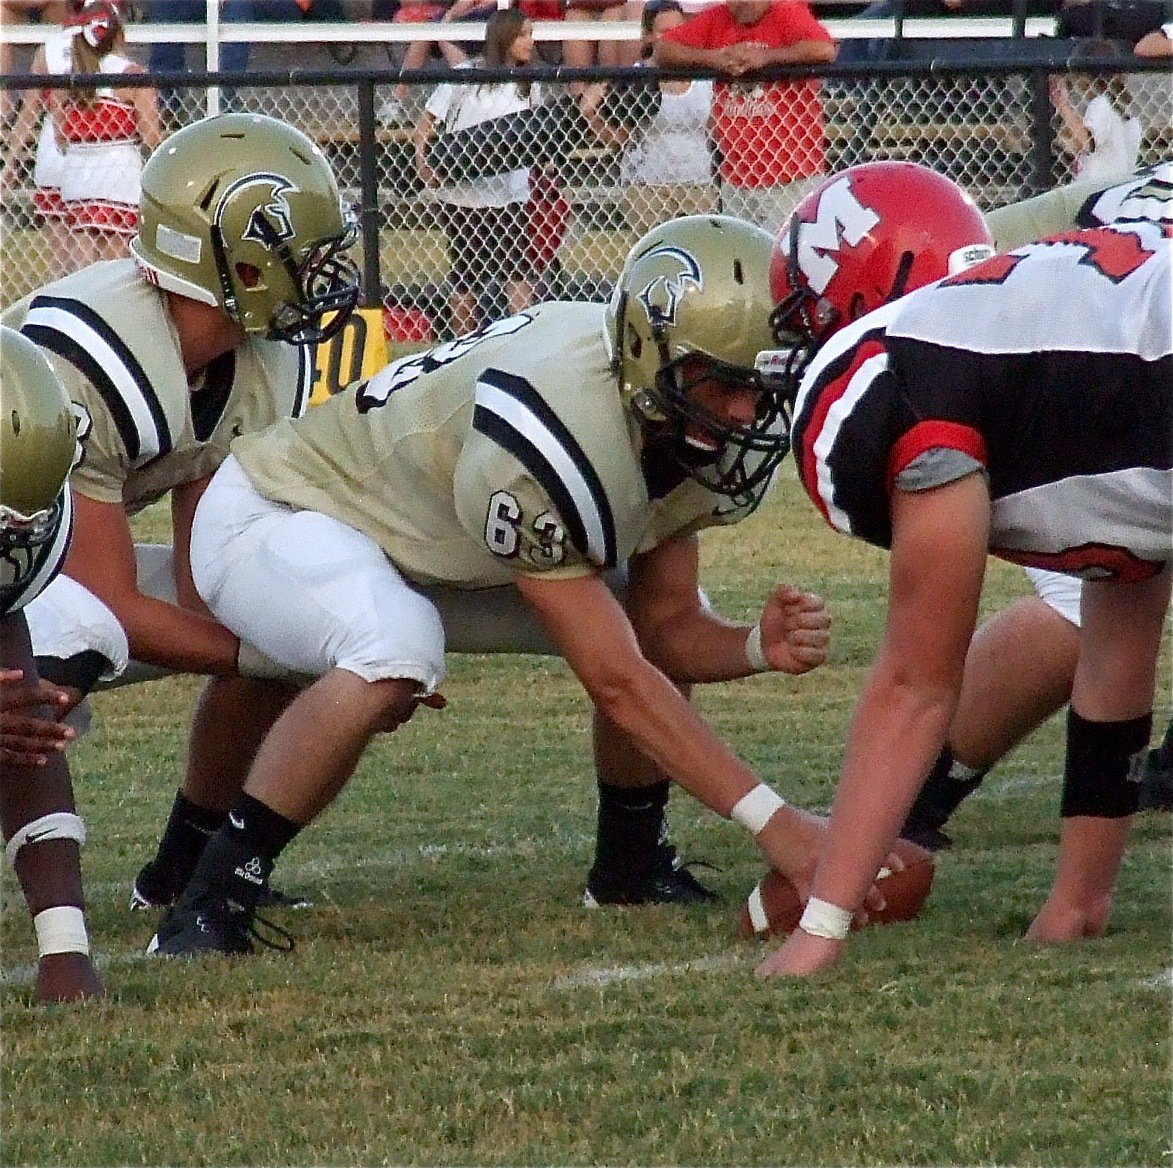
(949, 784)
(189, 827)
(238, 860)
(630, 826)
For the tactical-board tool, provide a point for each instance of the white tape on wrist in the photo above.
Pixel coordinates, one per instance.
(820, 918)
(61, 930)
(753, 651)
(755, 809)
(57, 825)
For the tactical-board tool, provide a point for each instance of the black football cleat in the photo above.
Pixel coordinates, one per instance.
(208, 923)
(149, 891)
(671, 882)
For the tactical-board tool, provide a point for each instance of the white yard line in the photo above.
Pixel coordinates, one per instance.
(604, 975)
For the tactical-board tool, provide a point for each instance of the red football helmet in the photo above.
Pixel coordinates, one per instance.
(865, 237)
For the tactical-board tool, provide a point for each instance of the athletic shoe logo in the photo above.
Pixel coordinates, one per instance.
(236, 821)
(35, 837)
(251, 871)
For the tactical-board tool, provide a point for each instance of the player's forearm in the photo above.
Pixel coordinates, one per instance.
(704, 648)
(897, 733)
(175, 638)
(643, 702)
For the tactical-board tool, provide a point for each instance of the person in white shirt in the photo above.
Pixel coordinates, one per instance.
(1106, 137)
(485, 220)
(667, 163)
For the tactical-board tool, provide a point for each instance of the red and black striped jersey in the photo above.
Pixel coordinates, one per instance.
(1049, 369)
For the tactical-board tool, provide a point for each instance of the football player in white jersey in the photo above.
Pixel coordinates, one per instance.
(206, 333)
(43, 833)
(532, 456)
(1020, 404)
(1021, 664)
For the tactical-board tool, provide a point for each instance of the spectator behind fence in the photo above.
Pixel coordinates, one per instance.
(608, 54)
(1117, 20)
(102, 132)
(418, 53)
(771, 135)
(485, 221)
(54, 57)
(1105, 138)
(667, 163)
(23, 12)
(171, 57)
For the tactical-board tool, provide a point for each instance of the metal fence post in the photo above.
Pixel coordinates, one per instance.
(1042, 132)
(369, 212)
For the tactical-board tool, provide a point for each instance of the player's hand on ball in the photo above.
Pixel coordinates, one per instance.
(774, 906)
(796, 630)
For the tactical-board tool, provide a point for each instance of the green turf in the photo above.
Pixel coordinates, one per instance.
(451, 1003)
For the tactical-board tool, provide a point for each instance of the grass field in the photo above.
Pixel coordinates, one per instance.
(449, 1001)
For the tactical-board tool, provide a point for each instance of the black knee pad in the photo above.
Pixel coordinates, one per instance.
(1102, 775)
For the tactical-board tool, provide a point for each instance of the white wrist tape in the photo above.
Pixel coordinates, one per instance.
(820, 918)
(755, 809)
(57, 825)
(61, 930)
(753, 651)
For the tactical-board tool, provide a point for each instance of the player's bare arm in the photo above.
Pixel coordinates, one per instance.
(102, 559)
(939, 548)
(597, 640)
(691, 642)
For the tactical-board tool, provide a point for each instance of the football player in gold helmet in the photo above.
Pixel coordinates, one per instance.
(528, 459)
(239, 267)
(42, 831)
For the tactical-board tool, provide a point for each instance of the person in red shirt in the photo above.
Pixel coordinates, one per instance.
(770, 135)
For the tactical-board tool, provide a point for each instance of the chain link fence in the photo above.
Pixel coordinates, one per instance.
(460, 227)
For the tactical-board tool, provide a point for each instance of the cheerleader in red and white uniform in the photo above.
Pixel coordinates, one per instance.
(54, 57)
(103, 131)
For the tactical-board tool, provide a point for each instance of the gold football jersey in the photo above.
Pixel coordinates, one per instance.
(143, 428)
(505, 452)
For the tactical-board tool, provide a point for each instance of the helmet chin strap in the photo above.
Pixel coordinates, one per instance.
(227, 288)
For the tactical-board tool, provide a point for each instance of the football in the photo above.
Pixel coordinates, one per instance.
(773, 908)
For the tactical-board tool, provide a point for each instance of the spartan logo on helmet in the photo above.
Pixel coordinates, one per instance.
(271, 222)
(662, 295)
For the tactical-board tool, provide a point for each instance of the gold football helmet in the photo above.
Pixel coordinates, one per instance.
(242, 211)
(38, 441)
(693, 303)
